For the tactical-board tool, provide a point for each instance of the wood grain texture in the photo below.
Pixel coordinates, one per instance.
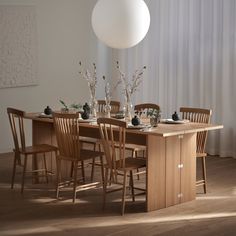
(163, 146)
(43, 132)
(199, 115)
(16, 120)
(173, 160)
(213, 213)
(164, 130)
(117, 162)
(156, 173)
(188, 172)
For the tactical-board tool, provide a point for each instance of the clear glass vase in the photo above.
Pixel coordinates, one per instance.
(93, 107)
(128, 109)
(107, 108)
(154, 120)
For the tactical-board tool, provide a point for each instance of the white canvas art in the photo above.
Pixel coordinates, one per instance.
(18, 57)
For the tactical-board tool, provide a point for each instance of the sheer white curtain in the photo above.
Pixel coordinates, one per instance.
(190, 54)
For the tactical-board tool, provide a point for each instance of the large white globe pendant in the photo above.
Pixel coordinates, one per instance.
(120, 23)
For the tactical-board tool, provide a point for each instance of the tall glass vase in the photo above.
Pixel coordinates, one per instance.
(93, 107)
(128, 107)
(107, 107)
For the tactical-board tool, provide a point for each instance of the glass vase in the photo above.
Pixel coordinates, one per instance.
(128, 109)
(93, 107)
(107, 108)
(154, 120)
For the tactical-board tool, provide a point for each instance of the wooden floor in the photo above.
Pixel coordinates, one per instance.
(37, 212)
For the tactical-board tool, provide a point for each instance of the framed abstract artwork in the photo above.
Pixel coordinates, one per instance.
(18, 46)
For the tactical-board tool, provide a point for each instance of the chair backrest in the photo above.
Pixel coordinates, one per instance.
(113, 136)
(16, 119)
(144, 108)
(115, 106)
(200, 116)
(67, 134)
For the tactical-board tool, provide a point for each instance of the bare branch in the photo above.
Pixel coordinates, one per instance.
(91, 78)
(130, 87)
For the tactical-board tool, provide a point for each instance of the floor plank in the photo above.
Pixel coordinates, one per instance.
(37, 212)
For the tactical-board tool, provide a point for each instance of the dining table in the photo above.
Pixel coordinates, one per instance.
(170, 155)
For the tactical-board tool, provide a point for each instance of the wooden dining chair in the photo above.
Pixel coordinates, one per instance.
(113, 133)
(16, 119)
(115, 107)
(142, 110)
(200, 116)
(69, 146)
(145, 108)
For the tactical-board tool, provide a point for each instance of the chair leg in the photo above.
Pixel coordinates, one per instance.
(136, 156)
(112, 177)
(58, 161)
(93, 164)
(102, 168)
(115, 176)
(124, 193)
(82, 169)
(133, 154)
(143, 153)
(13, 171)
(92, 170)
(23, 175)
(204, 174)
(102, 164)
(75, 180)
(71, 170)
(45, 167)
(132, 185)
(105, 187)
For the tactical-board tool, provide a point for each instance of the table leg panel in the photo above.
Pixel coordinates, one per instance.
(156, 184)
(172, 171)
(188, 172)
(43, 134)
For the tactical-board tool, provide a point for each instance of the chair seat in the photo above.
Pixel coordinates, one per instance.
(85, 154)
(88, 154)
(40, 148)
(135, 147)
(89, 140)
(132, 163)
(201, 154)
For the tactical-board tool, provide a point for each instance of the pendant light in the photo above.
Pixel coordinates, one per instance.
(120, 23)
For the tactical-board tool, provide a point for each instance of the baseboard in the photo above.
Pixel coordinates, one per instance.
(5, 150)
(221, 153)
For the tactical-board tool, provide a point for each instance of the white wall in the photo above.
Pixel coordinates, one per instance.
(65, 37)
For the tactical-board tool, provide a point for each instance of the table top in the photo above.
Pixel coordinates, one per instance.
(163, 129)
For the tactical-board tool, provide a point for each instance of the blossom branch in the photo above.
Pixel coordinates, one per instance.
(107, 91)
(90, 78)
(130, 87)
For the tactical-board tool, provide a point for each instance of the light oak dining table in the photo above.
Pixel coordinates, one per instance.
(170, 154)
